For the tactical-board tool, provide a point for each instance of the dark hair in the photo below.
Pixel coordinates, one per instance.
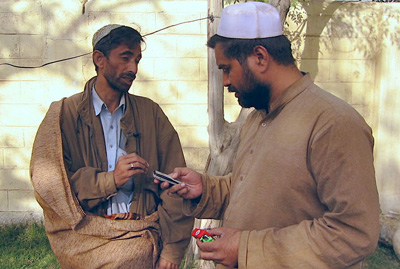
(278, 47)
(121, 35)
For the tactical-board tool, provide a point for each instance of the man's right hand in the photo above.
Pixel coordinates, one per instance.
(127, 166)
(191, 186)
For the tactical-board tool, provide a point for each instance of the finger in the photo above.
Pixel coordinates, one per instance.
(178, 187)
(165, 185)
(133, 158)
(137, 165)
(216, 231)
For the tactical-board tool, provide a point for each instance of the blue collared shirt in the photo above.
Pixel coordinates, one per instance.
(114, 142)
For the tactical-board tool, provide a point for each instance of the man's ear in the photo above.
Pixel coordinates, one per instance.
(98, 58)
(262, 55)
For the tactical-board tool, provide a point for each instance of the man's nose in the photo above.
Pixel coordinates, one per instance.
(133, 67)
(225, 80)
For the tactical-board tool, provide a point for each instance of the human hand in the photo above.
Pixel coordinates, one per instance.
(127, 166)
(165, 264)
(191, 186)
(223, 250)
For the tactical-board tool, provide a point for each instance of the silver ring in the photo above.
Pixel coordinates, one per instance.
(132, 165)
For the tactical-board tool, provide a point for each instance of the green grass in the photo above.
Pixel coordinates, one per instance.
(26, 246)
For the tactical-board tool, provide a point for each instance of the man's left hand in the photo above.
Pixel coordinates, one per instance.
(165, 264)
(224, 249)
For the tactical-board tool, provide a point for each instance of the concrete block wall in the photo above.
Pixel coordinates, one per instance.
(173, 72)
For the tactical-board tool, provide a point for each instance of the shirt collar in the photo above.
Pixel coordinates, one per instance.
(290, 93)
(98, 104)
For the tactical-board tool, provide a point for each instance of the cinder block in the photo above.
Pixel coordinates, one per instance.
(192, 46)
(29, 136)
(32, 46)
(181, 6)
(3, 200)
(116, 6)
(1, 158)
(96, 20)
(10, 91)
(17, 158)
(164, 19)
(363, 93)
(161, 92)
(34, 74)
(32, 116)
(341, 90)
(229, 98)
(351, 70)
(8, 72)
(30, 23)
(232, 112)
(147, 69)
(23, 201)
(203, 69)
(11, 137)
(9, 46)
(187, 115)
(195, 137)
(178, 69)
(161, 46)
(9, 22)
(145, 23)
(20, 6)
(15, 180)
(192, 92)
(319, 69)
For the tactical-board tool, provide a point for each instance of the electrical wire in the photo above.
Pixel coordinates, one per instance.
(211, 18)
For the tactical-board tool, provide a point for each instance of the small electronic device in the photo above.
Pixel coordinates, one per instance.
(164, 177)
(203, 235)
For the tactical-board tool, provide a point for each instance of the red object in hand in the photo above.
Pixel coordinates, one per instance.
(203, 235)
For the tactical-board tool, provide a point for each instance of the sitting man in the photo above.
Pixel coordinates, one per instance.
(92, 166)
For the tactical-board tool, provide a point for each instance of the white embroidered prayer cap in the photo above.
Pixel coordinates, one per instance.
(250, 20)
(103, 31)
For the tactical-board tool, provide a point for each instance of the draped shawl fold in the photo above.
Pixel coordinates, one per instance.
(80, 239)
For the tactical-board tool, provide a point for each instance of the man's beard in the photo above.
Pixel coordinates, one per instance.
(252, 92)
(117, 83)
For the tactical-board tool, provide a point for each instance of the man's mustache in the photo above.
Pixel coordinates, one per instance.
(232, 89)
(129, 76)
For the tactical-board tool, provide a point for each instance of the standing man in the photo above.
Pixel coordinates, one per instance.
(112, 141)
(302, 193)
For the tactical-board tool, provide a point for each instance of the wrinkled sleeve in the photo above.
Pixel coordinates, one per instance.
(90, 185)
(341, 162)
(175, 226)
(214, 199)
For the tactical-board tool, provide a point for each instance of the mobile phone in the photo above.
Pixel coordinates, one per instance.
(203, 235)
(164, 177)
